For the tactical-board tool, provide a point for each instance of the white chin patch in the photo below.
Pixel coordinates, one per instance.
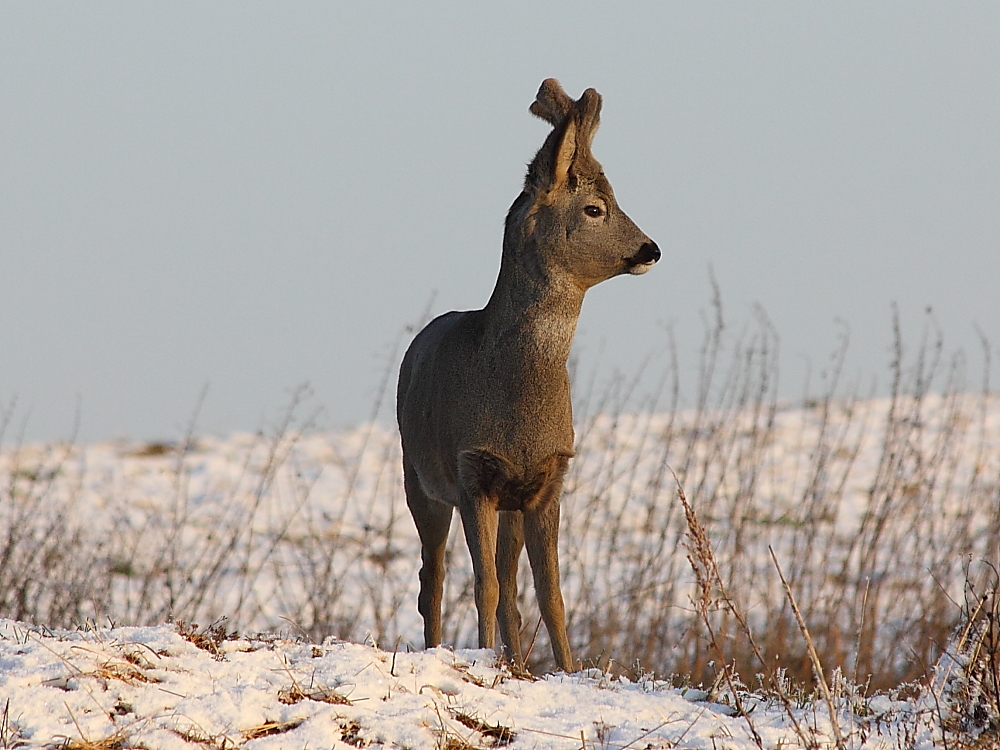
(640, 269)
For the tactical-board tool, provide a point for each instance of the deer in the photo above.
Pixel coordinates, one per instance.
(483, 399)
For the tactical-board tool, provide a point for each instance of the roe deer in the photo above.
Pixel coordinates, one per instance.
(483, 401)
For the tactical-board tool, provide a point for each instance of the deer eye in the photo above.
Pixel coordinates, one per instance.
(594, 212)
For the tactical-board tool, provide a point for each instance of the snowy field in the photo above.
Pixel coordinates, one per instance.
(154, 688)
(884, 516)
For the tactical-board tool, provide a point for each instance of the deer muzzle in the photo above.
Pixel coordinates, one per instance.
(647, 255)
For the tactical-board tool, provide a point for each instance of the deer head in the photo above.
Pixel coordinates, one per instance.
(566, 224)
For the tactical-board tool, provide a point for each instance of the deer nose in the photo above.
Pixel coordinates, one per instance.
(648, 253)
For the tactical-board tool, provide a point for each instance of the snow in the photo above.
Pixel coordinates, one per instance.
(151, 687)
(278, 526)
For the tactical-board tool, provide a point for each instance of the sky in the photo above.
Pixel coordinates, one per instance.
(238, 198)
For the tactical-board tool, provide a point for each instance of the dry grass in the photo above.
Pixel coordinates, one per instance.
(123, 672)
(874, 569)
(10, 732)
(116, 741)
(271, 728)
(497, 734)
(195, 736)
(350, 733)
(209, 639)
(966, 682)
(281, 540)
(296, 694)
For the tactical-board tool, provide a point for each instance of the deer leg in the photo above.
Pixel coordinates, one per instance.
(510, 541)
(479, 518)
(433, 522)
(541, 537)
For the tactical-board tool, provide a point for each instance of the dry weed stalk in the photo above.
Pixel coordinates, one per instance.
(859, 497)
(706, 571)
(966, 683)
(813, 656)
(764, 475)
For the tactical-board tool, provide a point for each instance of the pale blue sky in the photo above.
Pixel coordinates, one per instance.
(253, 195)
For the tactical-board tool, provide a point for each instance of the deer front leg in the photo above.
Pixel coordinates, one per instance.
(541, 537)
(510, 542)
(433, 521)
(479, 517)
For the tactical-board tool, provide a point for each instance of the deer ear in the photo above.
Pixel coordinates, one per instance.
(573, 157)
(588, 110)
(566, 151)
(552, 103)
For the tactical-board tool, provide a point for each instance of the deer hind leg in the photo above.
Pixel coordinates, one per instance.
(541, 528)
(541, 537)
(485, 479)
(510, 542)
(479, 519)
(433, 522)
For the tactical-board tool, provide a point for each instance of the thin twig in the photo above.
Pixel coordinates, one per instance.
(813, 656)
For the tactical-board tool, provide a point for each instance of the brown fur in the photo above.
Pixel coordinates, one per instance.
(483, 401)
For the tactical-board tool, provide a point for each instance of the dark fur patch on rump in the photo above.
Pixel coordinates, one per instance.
(484, 473)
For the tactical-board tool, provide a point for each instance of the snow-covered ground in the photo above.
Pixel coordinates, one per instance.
(152, 688)
(875, 510)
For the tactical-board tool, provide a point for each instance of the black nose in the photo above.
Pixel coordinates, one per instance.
(648, 253)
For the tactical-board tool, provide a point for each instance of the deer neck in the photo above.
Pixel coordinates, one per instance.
(533, 312)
